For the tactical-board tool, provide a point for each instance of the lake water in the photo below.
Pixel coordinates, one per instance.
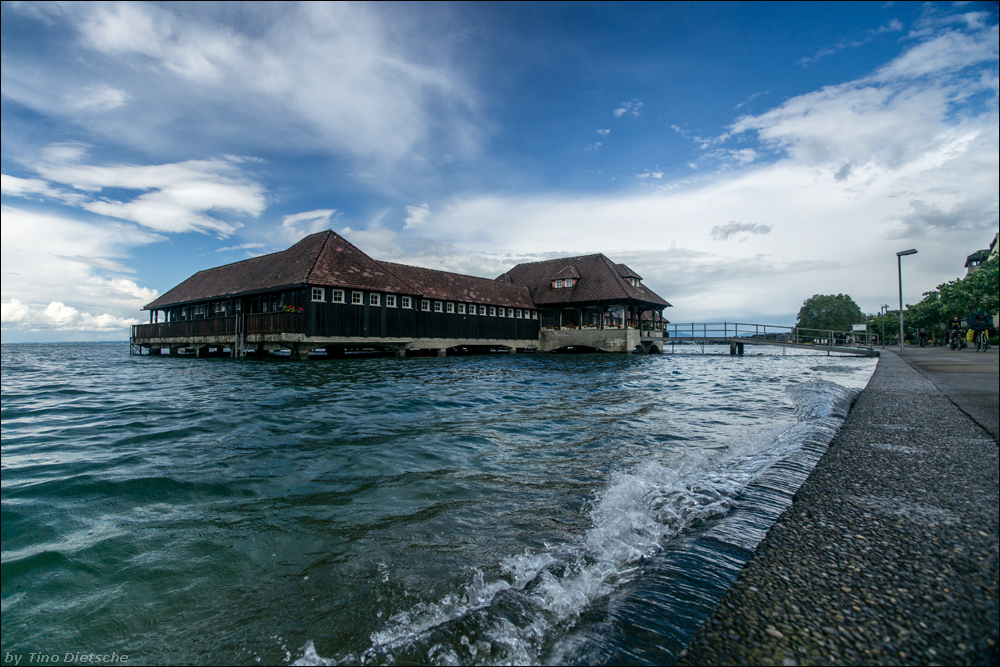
(482, 509)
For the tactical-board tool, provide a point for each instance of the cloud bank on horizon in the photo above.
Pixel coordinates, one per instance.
(737, 174)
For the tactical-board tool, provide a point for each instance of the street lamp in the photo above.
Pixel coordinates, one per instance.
(899, 271)
(884, 308)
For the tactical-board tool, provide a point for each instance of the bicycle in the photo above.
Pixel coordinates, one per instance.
(982, 341)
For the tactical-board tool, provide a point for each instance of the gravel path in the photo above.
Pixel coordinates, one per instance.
(889, 553)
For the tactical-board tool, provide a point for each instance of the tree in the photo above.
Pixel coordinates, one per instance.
(980, 290)
(829, 312)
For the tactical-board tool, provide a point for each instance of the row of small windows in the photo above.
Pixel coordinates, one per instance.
(392, 301)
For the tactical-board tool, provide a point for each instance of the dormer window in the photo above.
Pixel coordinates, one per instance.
(634, 282)
(558, 283)
(568, 282)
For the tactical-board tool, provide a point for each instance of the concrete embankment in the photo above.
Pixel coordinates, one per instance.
(889, 553)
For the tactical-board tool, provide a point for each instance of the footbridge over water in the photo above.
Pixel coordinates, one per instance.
(738, 335)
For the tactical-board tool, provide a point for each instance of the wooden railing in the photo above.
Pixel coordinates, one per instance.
(256, 323)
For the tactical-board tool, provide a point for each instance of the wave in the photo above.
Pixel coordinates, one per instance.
(540, 605)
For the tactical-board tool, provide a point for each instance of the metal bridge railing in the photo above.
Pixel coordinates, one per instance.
(775, 334)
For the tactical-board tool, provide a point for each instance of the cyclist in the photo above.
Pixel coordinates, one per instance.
(980, 322)
(923, 337)
(955, 333)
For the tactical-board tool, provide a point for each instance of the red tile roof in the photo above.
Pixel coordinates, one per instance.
(267, 272)
(327, 259)
(600, 280)
(446, 286)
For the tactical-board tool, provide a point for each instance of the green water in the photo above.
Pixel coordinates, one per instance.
(423, 510)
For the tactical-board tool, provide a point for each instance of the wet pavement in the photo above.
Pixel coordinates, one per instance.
(969, 378)
(889, 553)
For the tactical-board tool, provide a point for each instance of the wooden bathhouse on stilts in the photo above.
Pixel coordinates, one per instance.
(324, 293)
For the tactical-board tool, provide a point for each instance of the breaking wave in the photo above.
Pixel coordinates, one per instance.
(539, 606)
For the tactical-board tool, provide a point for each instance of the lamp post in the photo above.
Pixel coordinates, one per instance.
(899, 271)
(884, 308)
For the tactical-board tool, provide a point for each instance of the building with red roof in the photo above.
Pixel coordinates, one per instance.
(325, 293)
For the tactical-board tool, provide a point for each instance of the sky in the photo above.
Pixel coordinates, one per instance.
(741, 157)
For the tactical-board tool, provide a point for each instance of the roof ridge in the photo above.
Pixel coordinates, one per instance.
(249, 259)
(424, 268)
(557, 259)
(322, 247)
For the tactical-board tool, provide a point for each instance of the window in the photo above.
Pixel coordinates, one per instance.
(482, 310)
(557, 284)
(199, 311)
(219, 308)
(405, 302)
(461, 309)
(568, 282)
(318, 294)
(438, 306)
(338, 296)
(357, 298)
(390, 300)
(517, 314)
(534, 314)
(425, 305)
(450, 308)
(373, 299)
(493, 311)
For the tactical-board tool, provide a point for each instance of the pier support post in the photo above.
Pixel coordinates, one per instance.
(442, 352)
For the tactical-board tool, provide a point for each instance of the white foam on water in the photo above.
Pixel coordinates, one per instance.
(637, 512)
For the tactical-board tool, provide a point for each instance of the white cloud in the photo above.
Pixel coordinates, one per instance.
(66, 274)
(179, 197)
(300, 225)
(743, 156)
(733, 228)
(343, 77)
(416, 216)
(378, 241)
(604, 133)
(60, 317)
(631, 107)
(100, 98)
(948, 52)
(24, 187)
(856, 172)
(14, 311)
(242, 246)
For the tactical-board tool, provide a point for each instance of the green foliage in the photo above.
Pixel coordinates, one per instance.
(889, 323)
(829, 312)
(980, 290)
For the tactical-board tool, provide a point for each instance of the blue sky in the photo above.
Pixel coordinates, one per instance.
(740, 157)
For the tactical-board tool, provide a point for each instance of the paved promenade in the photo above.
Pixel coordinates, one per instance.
(889, 553)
